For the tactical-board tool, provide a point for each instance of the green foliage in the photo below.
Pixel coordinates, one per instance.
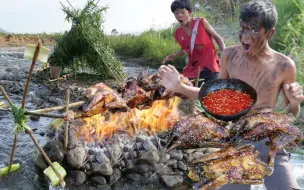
(153, 46)
(19, 119)
(84, 48)
(289, 38)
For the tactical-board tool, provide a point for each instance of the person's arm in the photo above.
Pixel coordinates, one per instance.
(224, 64)
(218, 39)
(292, 91)
(174, 56)
(170, 79)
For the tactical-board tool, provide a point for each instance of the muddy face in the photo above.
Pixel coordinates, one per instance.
(253, 37)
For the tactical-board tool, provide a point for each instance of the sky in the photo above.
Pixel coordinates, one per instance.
(126, 16)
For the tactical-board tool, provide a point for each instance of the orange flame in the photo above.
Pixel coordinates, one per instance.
(160, 117)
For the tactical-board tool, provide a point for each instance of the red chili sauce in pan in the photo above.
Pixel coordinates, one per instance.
(227, 102)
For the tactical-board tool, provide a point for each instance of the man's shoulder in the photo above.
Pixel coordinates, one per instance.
(228, 51)
(283, 58)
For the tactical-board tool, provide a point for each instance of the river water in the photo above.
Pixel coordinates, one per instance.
(27, 178)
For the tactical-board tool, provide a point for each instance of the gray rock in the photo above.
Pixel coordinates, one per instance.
(142, 168)
(101, 157)
(171, 162)
(73, 140)
(176, 154)
(116, 151)
(130, 164)
(150, 157)
(164, 157)
(189, 151)
(76, 157)
(148, 145)
(99, 180)
(39, 161)
(104, 168)
(122, 164)
(163, 169)
(57, 101)
(104, 187)
(134, 177)
(172, 180)
(115, 176)
(54, 150)
(80, 177)
(87, 167)
(181, 165)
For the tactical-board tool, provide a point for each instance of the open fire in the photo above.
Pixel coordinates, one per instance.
(160, 117)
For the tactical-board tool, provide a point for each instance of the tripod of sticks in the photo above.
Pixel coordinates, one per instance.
(39, 113)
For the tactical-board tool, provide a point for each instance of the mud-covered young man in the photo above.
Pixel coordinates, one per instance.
(265, 69)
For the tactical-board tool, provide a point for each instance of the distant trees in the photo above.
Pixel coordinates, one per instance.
(114, 32)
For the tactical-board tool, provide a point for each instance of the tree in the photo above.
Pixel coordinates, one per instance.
(114, 32)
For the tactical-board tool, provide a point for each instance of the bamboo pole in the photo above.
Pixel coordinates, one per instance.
(66, 128)
(57, 108)
(39, 44)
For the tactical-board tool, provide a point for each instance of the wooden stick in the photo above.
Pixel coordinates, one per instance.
(12, 152)
(39, 44)
(16, 136)
(196, 85)
(66, 128)
(43, 114)
(57, 108)
(6, 96)
(30, 132)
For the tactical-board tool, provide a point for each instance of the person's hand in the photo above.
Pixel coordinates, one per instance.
(169, 58)
(169, 77)
(294, 93)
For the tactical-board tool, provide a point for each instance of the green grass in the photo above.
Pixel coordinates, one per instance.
(152, 46)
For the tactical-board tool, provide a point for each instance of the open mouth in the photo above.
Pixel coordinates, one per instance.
(180, 21)
(246, 46)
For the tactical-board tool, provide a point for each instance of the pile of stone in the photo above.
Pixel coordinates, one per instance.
(121, 160)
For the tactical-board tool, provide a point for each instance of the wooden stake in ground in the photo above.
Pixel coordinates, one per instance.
(66, 128)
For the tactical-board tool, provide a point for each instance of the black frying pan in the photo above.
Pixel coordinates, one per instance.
(233, 84)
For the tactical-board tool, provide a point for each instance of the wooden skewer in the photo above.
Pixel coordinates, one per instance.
(57, 108)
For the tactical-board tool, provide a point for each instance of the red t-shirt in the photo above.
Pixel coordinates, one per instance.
(203, 57)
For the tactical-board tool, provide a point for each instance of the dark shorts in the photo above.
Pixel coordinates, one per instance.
(282, 178)
(207, 75)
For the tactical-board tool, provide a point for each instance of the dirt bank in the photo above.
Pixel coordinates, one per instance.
(17, 40)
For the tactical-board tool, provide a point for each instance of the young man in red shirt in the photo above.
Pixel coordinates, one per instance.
(202, 53)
